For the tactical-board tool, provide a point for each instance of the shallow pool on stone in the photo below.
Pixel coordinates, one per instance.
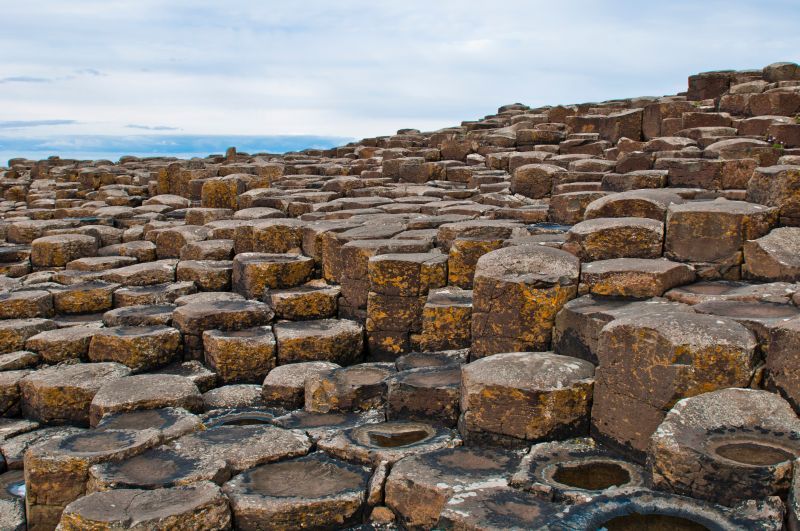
(754, 453)
(595, 475)
(650, 522)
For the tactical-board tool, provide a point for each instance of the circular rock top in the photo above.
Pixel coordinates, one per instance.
(200, 506)
(726, 446)
(530, 265)
(533, 371)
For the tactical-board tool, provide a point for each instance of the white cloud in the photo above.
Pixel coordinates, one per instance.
(358, 68)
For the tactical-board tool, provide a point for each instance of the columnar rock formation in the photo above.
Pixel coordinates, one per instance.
(566, 317)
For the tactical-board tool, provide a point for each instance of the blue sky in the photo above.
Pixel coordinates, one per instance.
(354, 68)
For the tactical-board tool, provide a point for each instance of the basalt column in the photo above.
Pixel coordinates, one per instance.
(517, 293)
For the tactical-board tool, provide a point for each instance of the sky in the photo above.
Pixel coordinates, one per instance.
(73, 73)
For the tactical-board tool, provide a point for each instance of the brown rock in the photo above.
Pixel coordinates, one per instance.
(515, 397)
(200, 506)
(518, 291)
(310, 492)
(62, 394)
(145, 391)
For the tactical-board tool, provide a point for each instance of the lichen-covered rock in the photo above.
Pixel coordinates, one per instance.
(255, 272)
(726, 446)
(517, 293)
(63, 394)
(56, 251)
(419, 486)
(244, 356)
(606, 238)
(773, 257)
(200, 506)
(648, 362)
(357, 388)
(776, 186)
(335, 340)
(140, 348)
(145, 391)
(284, 386)
(633, 277)
(511, 398)
(310, 492)
(57, 471)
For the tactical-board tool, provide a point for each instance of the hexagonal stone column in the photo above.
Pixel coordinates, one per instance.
(577, 326)
(14, 332)
(254, 272)
(223, 192)
(399, 285)
(145, 391)
(335, 340)
(633, 277)
(284, 386)
(511, 398)
(10, 395)
(726, 446)
(62, 394)
(283, 235)
(55, 346)
(315, 491)
(140, 315)
(171, 422)
(518, 291)
(463, 257)
(782, 372)
(26, 304)
(199, 506)
(170, 241)
(313, 300)
(419, 486)
(57, 471)
(650, 204)
(758, 317)
(712, 233)
(535, 180)
(357, 388)
(207, 275)
(648, 362)
(195, 318)
(141, 348)
(240, 356)
(429, 394)
(146, 274)
(155, 294)
(88, 297)
(446, 320)
(606, 238)
(774, 256)
(777, 186)
(56, 251)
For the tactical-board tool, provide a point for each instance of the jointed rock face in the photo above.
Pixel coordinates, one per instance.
(565, 318)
